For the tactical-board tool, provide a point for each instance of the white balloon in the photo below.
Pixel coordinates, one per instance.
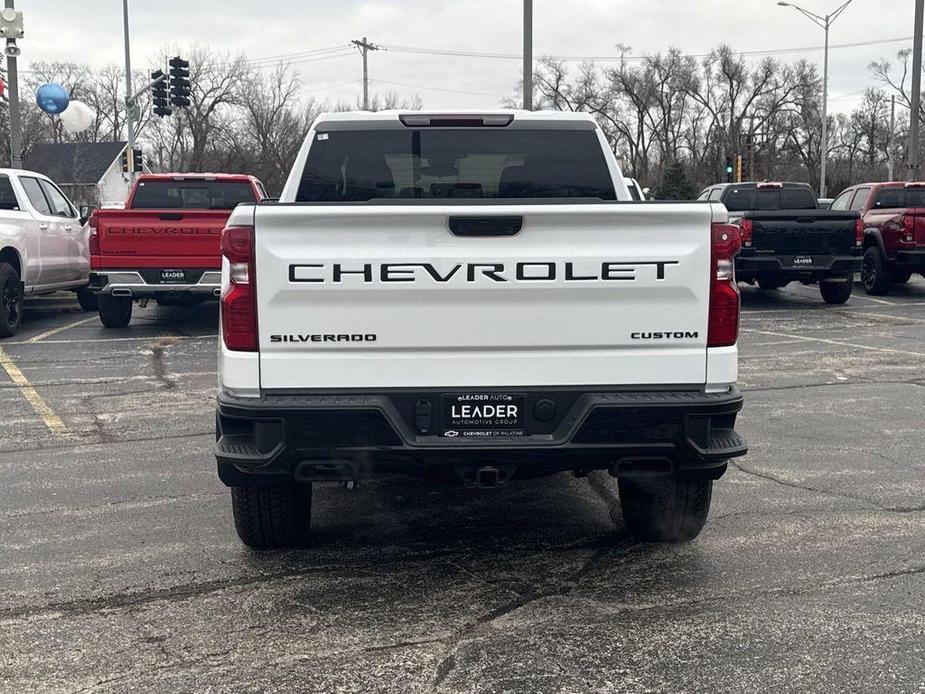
(77, 117)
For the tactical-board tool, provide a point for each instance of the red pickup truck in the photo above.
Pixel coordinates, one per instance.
(893, 217)
(165, 244)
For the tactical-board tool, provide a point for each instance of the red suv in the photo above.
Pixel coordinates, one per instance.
(893, 215)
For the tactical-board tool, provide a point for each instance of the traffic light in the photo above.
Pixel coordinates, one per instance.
(729, 170)
(159, 94)
(180, 88)
(137, 162)
(746, 168)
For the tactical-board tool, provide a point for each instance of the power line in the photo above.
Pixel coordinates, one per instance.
(513, 56)
(300, 54)
(440, 89)
(299, 61)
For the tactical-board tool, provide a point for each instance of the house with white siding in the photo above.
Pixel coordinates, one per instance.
(90, 173)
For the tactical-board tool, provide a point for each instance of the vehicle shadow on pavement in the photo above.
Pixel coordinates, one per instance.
(397, 517)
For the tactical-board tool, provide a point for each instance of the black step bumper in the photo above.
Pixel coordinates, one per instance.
(912, 259)
(783, 266)
(277, 438)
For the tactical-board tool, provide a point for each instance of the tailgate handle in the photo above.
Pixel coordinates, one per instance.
(485, 226)
(170, 216)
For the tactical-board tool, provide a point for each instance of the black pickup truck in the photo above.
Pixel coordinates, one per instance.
(787, 237)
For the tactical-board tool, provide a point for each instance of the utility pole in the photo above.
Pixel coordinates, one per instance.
(912, 174)
(129, 101)
(365, 47)
(889, 141)
(528, 55)
(12, 76)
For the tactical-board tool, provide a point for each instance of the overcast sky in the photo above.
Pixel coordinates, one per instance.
(91, 31)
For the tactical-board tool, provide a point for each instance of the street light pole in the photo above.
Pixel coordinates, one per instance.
(912, 172)
(129, 101)
(825, 23)
(12, 75)
(528, 55)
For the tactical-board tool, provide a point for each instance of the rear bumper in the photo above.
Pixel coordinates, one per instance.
(273, 438)
(912, 259)
(140, 284)
(822, 266)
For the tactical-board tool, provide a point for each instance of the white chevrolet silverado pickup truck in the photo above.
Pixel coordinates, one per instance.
(43, 245)
(474, 297)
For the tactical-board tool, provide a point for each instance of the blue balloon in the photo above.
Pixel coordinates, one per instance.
(52, 98)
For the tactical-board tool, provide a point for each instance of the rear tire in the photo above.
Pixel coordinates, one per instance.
(837, 292)
(115, 311)
(87, 300)
(665, 509)
(874, 275)
(11, 300)
(272, 517)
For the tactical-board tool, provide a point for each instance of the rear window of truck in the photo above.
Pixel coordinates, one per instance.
(900, 197)
(194, 195)
(753, 198)
(437, 164)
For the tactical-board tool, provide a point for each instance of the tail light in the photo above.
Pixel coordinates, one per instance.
(239, 298)
(745, 232)
(907, 235)
(859, 233)
(723, 329)
(94, 238)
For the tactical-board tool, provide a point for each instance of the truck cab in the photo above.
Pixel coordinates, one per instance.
(893, 226)
(43, 244)
(787, 237)
(164, 244)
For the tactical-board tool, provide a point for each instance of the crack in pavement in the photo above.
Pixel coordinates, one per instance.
(844, 495)
(915, 382)
(448, 663)
(126, 600)
(84, 444)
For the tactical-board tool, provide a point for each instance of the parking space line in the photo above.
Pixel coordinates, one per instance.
(42, 409)
(838, 343)
(55, 331)
(147, 338)
(876, 301)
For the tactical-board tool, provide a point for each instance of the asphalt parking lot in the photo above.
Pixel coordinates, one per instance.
(120, 569)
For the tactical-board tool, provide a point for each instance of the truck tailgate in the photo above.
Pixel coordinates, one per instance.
(380, 296)
(159, 238)
(802, 232)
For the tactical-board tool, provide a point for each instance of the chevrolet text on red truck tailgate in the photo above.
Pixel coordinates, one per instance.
(474, 297)
(165, 244)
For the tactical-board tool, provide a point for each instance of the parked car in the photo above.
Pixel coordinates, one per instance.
(164, 245)
(43, 244)
(413, 304)
(786, 237)
(893, 219)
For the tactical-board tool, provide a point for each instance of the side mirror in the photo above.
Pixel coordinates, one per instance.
(85, 212)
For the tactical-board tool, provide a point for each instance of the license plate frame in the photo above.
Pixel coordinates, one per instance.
(803, 261)
(171, 276)
(485, 415)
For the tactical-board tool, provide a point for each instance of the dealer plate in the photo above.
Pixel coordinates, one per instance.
(482, 415)
(172, 277)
